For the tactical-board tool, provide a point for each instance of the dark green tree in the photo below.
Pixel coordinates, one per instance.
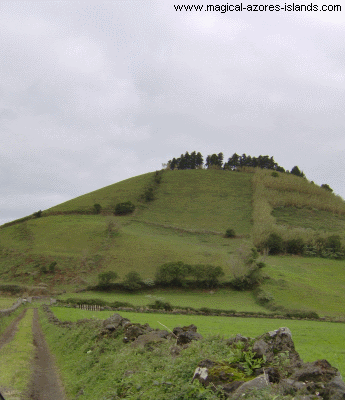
(207, 275)
(132, 281)
(173, 273)
(326, 187)
(38, 214)
(296, 171)
(104, 278)
(124, 208)
(97, 208)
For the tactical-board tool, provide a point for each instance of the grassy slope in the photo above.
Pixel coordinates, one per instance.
(174, 227)
(324, 221)
(310, 283)
(80, 245)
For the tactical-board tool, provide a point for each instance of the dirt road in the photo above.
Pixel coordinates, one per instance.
(45, 383)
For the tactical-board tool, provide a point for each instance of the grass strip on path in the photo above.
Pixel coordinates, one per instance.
(16, 358)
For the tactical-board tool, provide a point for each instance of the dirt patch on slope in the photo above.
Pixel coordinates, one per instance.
(45, 383)
(11, 330)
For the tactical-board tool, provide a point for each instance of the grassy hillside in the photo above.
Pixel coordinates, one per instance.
(186, 221)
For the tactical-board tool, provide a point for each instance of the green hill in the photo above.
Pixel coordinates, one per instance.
(186, 221)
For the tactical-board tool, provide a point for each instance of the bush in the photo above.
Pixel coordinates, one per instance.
(124, 208)
(52, 266)
(161, 305)
(333, 242)
(173, 273)
(275, 243)
(230, 233)
(148, 194)
(97, 208)
(295, 246)
(104, 278)
(132, 281)
(326, 187)
(207, 275)
(275, 174)
(37, 214)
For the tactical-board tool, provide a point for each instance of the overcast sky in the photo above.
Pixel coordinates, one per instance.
(92, 93)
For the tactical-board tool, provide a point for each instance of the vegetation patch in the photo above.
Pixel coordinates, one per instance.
(17, 355)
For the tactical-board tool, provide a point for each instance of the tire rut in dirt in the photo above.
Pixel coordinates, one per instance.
(11, 330)
(45, 383)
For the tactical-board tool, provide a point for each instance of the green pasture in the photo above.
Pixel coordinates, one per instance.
(219, 299)
(318, 220)
(210, 200)
(313, 340)
(127, 190)
(315, 284)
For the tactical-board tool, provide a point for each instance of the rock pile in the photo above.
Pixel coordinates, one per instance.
(145, 336)
(271, 360)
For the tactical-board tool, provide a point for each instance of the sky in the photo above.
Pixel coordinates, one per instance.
(95, 92)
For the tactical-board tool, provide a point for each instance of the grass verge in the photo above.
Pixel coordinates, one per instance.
(16, 357)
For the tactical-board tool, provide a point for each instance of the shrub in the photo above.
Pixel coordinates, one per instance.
(97, 208)
(124, 208)
(326, 187)
(207, 275)
(230, 233)
(43, 269)
(104, 278)
(148, 194)
(132, 281)
(295, 246)
(161, 305)
(52, 266)
(173, 273)
(275, 243)
(333, 242)
(247, 269)
(275, 174)
(37, 214)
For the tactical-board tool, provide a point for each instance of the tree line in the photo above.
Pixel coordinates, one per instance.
(195, 160)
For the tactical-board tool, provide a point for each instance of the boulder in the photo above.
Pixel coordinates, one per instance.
(150, 338)
(259, 382)
(132, 331)
(186, 334)
(115, 322)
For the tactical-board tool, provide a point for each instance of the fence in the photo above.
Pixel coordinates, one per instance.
(90, 307)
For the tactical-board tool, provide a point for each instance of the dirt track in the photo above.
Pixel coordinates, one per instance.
(45, 383)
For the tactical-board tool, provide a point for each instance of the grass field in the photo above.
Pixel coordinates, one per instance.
(219, 299)
(313, 340)
(318, 220)
(314, 284)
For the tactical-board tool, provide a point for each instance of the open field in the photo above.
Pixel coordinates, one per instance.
(313, 340)
(315, 284)
(219, 299)
(318, 220)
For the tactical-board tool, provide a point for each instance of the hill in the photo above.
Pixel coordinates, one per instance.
(185, 219)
